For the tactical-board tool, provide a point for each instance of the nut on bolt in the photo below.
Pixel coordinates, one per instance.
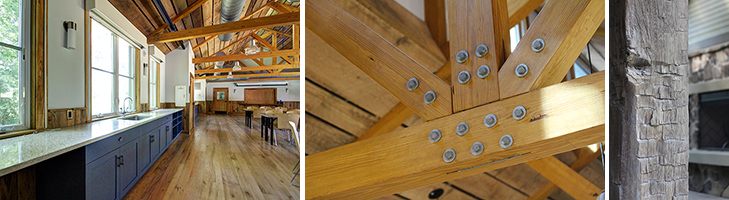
(464, 77)
(449, 155)
(477, 148)
(462, 128)
(412, 84)
(429, 97)
(521, 70)
(481, 50)
(483, 71)
(462, 56)
(538, 45)
(519, 112)
(490, 120)
(434, 136)
(506, 141)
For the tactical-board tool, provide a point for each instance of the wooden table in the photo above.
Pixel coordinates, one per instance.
(267, 126)
(249, 115)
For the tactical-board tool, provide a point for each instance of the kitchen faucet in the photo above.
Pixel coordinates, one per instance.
(124, 110)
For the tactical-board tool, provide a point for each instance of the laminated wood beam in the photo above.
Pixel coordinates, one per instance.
(520, 9)
(565, 177)
(179, 16)
(435, 18)
(379, 59)
(270, 46)
(566, 26)
(466, 33)
(205, 41)
(585, 156)
(231, 27)
(259, 79)
(406, 159)
(250, 75)
(243, 56)
(248, 16)
(277, 32)
(223, 70)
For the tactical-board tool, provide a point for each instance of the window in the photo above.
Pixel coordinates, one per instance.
(14, 100)
(112, 72)
(153, 85)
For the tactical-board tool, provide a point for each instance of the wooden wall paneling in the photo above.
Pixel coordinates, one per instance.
(38, 64)
(393, 152)
(379, 59)
(18, 185)
(137, 81)
(292, 105)
(466, 33)
(260, 95)
(321, 137)
(57, 117)
(338, 112)
(190, 107)
(564, 35)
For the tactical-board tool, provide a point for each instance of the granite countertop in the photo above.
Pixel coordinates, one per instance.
(19, 152)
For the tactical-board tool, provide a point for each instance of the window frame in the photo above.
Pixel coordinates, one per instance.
(133, 62)
(23, 70)
(154, 76)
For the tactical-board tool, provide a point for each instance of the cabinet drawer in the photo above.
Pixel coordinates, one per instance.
(99, 148)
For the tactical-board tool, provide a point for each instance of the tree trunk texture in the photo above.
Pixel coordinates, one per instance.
(649, 132)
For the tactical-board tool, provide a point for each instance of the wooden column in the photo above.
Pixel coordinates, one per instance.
(648, 100)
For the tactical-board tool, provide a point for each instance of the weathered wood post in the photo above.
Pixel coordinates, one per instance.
(648, 99)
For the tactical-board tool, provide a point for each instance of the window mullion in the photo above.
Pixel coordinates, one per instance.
(115, 94)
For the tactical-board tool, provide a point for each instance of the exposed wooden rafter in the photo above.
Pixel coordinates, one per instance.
(225, 70)
(231, 27)
(179, 16)
(249, 75)
(267, 54)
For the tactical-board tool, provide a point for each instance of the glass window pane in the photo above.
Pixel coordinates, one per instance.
(10, 21)
(153, 95)
(9, 86)
(102, 53)
(126, 86)
(125, 57)
(102, 89)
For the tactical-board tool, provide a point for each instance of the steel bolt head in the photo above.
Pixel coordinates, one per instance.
(462, 129)
(482, 50)
(490, 120)
(429, 97)
(464, 77)
(483, 71)
(462, 56)
(477, 148)
(506, 141)
(521, 70)
(519, 112)
(412, 84)
(434, 136)
(449, 155)
(538, 45)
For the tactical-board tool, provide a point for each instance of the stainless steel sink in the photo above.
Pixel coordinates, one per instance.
(135, 117)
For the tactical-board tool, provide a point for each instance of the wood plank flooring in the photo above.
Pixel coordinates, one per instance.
(223, 160)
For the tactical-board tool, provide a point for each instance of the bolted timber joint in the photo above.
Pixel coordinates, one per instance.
(483, 71)
(538, 45)
(449, 155)
(464, 77)
(490, 120)
(434, 136)
(477, 148)
(482, 50)
(412, 84)
(429, 97)
(519, 112)
(506, 141)
(462, 56)
(521, 70)
(462, 129)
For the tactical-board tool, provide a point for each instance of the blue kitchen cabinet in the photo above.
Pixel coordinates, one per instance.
(143, 155)
(101, 177)
(154, 147)
(128, 169)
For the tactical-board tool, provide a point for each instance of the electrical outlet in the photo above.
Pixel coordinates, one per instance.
(69, 114)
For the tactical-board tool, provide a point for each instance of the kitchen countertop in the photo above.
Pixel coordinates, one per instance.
(19, 152)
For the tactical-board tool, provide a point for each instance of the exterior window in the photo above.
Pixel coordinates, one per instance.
(153, 85)
(112, 72)
(14, 78)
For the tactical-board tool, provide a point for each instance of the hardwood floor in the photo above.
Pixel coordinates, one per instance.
(223, 160)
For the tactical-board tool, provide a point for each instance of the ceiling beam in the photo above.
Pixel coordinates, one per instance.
(244, 57)
(566, 178)
(235, 42)
(277, 32)
(406, 159)
(250, 75)
(272, 47)
(248, 16)
(231, 27)
(259, 79)
(585, 156)
(221, 70)
(379, 59)
(564, 36)
(520, 9)
(179, 16)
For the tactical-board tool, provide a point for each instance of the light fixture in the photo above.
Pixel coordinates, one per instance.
(230, 74)
(70, 34)
(237, 67)
(252, 48)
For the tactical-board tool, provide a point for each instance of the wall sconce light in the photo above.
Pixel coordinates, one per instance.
(70, 34)
(144, 69)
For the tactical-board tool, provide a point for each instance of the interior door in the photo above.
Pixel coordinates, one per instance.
(221, 99)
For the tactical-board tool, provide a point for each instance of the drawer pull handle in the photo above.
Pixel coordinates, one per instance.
(121, 138)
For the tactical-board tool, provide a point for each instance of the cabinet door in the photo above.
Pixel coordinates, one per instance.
(168, 133)
(154, 144)
(162, 138)
(127, 171)
(101, 177)
(143, 152)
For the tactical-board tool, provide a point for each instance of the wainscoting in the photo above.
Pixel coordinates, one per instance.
(238, 107)
(57, 117)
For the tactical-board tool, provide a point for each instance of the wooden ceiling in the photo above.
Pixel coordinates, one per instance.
(146, 17)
